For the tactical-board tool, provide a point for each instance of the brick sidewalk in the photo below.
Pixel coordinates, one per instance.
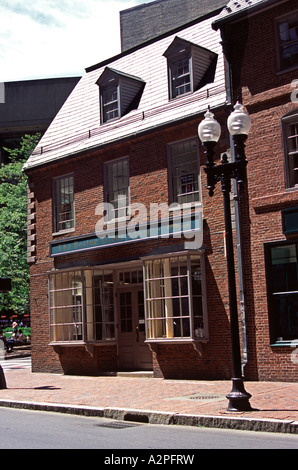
(274, 402)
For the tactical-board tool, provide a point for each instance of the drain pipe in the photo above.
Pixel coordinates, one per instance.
(228, 78)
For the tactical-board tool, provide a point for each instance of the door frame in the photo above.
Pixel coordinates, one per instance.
(134, 344)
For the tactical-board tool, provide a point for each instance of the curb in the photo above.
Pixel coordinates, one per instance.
(159, 417)
(16, 356)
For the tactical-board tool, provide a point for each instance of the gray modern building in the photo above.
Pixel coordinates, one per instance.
(30, 106)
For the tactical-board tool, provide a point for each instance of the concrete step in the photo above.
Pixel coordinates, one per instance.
(135, 373)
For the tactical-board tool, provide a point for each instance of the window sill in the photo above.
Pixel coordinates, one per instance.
(176, 340)
(285, 343)
(193, 206)
(289, 69)
(82, 343)
(63, 232)
(291, 188)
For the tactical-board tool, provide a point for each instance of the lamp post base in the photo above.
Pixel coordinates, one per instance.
(238, 397)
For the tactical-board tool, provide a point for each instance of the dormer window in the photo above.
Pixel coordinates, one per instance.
(180, 77)
(119, 94)
(190, 67)
(110, 103)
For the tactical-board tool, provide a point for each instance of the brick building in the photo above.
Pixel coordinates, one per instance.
(117, 284)
(127, 135)
(261, 45)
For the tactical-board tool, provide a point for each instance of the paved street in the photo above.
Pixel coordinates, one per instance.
(187, 402)
(18, 363)
(56, 431)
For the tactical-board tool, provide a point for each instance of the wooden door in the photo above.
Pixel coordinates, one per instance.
(134, 353)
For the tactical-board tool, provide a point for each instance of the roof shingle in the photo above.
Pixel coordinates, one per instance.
(77, 128)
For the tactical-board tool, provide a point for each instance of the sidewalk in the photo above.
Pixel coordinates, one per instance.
(145, 399)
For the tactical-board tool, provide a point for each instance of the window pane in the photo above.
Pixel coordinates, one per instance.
(81, 301)
(285, 309)
(181, 78)
(117, 189)
(291, 147)
(284, 268)
(66, 307)
(110, 103)
(185, 172)
(168, 302)
(288, 41)
(64, 204)
(126, 312)
(283, 292)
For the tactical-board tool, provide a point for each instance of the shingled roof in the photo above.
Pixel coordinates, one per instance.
(77, 128)
(237, 8)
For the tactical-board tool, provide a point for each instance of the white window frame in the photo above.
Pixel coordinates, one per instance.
(162, 325)
(181, 83)
(58, 205)
(290, 145)
(177, 81)
(116, 190)
(113, 104)
(184, 188)
(80, 311)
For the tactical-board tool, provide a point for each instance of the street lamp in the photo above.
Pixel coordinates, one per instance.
(209, 133)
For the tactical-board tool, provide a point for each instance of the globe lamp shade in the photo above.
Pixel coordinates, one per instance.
(209, 129)
(239, 121)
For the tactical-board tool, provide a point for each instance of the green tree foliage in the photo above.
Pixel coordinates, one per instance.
(13, 228)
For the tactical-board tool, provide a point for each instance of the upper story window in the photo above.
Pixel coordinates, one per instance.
(110, 103)
(184, 172)
(189, 67)
(180, 76)
(290, 141)
(119, 94)
(63, 203)
(117, 187)
(287, 41)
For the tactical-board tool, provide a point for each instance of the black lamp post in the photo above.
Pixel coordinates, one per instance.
(209, 133)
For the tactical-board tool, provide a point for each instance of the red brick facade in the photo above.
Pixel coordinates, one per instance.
(149, 183)
(266, 95)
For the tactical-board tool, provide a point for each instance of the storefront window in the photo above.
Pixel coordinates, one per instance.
(174, 298)
(81, 306)
(282, 280)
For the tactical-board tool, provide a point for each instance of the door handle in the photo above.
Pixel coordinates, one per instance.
(137, 334)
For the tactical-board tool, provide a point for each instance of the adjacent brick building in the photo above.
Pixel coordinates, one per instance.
(117, 284)
(261, 44)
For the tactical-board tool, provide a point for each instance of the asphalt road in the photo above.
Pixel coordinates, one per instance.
(24, 429)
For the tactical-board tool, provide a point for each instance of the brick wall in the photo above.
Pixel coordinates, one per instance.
(266, 94)
(148, 183)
